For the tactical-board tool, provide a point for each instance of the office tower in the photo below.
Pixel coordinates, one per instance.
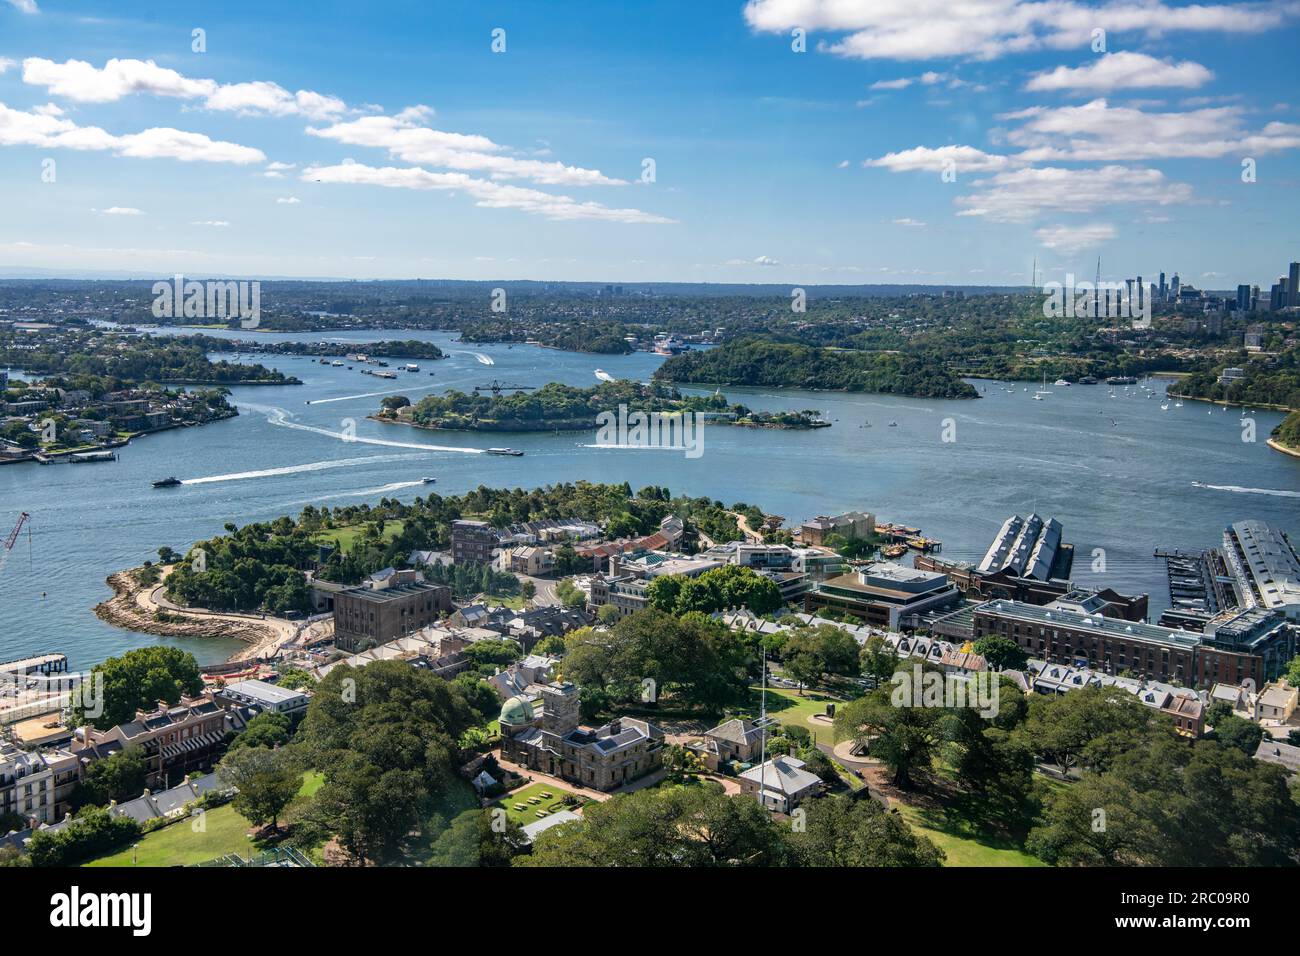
(1278, 295)
(1243, 298)
(1293, 285)
(1162, 287)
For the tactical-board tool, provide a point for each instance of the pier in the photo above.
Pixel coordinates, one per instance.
(40, 664)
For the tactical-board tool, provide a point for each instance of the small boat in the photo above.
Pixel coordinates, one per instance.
(427, 480)
(169, 482)
(1062, 382)
(513, 452)
(1164, 406)
(1178, 404)
(893, 424)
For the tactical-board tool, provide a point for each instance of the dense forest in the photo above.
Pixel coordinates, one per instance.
(767, 364)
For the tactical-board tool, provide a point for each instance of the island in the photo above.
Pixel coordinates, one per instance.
(557, 407)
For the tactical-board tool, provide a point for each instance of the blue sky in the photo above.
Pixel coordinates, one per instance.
(930, 141)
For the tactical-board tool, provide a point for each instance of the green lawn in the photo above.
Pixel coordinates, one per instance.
(965, 848)
(225, 832)
(344, 537)
(788, 708)
(529, 815)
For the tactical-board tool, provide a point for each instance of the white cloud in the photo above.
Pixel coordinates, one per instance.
(929, 78)
(260, 97)
(1020, 195)
(119, 211)
(25, 6)
(214, 223)
(986, 29)
(923, 158)
(765, 261)
(1122, 71)
(19, 128)
(907, 221)
(83, 82)
(406, 138)
(1076, 238)
(288, 200)
(1098, 132)
(6, 64)
(486, 193)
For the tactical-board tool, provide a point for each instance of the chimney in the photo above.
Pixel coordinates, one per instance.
(615, 565)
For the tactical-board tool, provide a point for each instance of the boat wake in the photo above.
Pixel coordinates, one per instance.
(1237, 489)
(348, 398)
(483, 359)
(278, 416)
(381, 490)
(604, 376)
(296, 469)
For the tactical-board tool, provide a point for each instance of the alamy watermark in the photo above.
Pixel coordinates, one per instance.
(682, 431)
(213, 299)
(921, 688)
(1083, 299)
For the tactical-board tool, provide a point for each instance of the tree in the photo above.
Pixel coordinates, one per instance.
(1001, 653)
(267, 781)
(386, 738)
(729, 586)
(608, 614)
(904, 737)
(91, 833)
(667, 826)
(1072, 729)
(471, 841)
(1234, 731)
(1168, 803)
(528, 590)
(138, 680)
(552, 645)
(494, 652)
(120, 776)
(878, 658)
(268, 730)
(813, 652)
(839, 831)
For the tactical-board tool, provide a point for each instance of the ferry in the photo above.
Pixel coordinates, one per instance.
(337, 364)
(90, 457)
(411, 367)
(169, 482)
(513, 452)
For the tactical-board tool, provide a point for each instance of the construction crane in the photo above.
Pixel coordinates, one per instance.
(13, 536)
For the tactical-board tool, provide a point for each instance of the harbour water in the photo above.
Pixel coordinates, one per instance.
(1119, 489)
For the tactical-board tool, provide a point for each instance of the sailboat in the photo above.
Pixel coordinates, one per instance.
(1038, 395)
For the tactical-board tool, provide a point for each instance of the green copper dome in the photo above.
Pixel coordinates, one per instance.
(516, 711)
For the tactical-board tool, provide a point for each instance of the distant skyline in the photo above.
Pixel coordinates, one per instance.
(814, 142)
